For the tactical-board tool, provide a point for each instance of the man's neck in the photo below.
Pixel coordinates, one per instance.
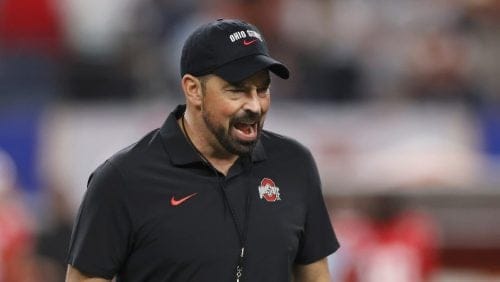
(206, 145)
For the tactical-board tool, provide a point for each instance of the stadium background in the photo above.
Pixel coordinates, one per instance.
(398, 100)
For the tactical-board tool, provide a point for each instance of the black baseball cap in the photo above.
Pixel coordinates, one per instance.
(231, 49)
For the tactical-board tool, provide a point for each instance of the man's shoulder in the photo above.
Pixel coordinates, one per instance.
(276, 143)
(138, 153)
(117, 172)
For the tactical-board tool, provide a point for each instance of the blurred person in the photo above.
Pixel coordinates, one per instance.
(159, 27)
(356, 49)
(155, 43)
(482, 24)
(438, 69)
(31, 46)
(30, 25)
(387, 242)
(210, 196)
(16, 228)
(98, 61)
(327, 64)
(327, 78)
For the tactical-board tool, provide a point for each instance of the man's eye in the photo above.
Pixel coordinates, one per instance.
(235, 90)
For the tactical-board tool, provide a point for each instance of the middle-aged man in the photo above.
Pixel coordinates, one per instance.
(210, 196)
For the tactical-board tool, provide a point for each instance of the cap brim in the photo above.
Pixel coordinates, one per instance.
(243, 68)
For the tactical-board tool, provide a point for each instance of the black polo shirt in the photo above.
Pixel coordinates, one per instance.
(156, 212)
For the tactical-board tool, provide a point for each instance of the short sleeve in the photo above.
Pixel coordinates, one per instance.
(318, 239)
(101, 232)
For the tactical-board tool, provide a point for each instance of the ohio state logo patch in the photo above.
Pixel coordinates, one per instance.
(268, 190)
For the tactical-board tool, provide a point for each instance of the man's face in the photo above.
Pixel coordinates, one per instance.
(235, 113)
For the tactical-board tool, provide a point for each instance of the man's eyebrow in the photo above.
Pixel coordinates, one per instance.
(238, 84)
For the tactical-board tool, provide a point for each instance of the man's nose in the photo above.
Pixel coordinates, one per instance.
(253, 102)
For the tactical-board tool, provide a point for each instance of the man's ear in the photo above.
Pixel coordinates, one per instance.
(192, 89)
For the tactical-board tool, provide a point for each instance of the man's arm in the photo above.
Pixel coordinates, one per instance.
(313, 272)
(74, 275)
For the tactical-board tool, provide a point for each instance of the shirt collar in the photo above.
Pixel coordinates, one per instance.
(178, 147)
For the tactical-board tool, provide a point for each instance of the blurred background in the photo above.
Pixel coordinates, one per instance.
(399, 101)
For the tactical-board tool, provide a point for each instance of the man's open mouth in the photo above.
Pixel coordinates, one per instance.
(246, 131)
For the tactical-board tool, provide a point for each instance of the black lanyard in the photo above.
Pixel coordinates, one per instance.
(241, 228)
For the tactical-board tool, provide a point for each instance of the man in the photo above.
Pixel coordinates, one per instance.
(209, 196)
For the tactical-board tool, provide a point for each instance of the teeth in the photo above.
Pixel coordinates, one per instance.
(247, 128)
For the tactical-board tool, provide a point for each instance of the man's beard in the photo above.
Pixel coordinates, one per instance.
(227, 141)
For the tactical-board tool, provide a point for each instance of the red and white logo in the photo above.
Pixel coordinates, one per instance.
(268, 190)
